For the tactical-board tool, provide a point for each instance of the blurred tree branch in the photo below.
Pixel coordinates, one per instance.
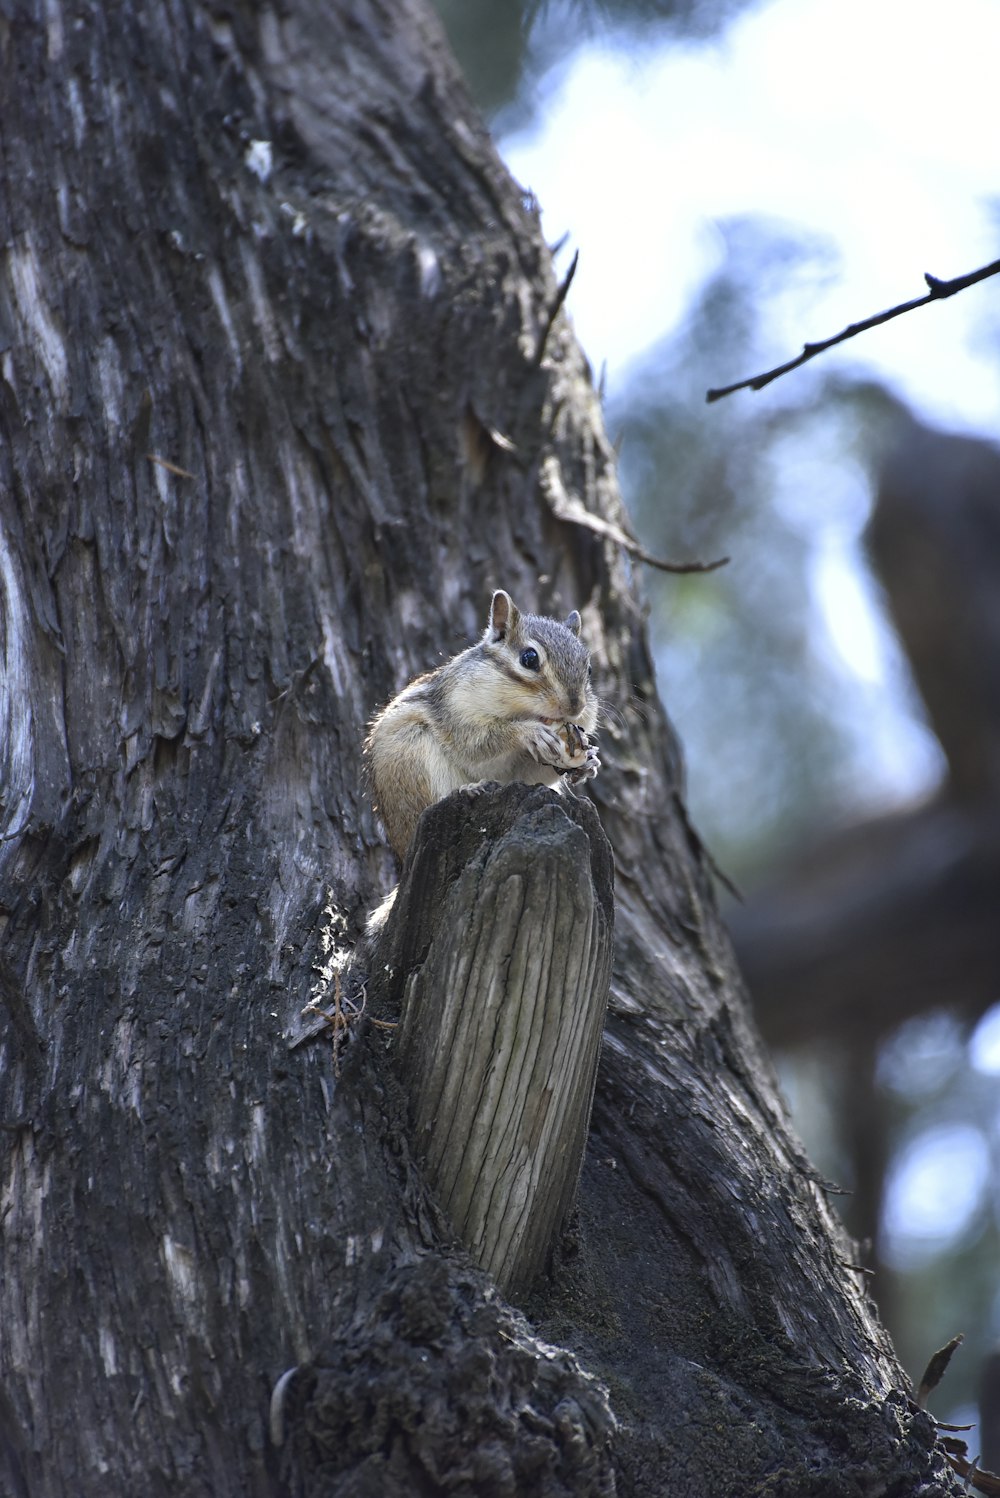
(936, 292)
(896, 915)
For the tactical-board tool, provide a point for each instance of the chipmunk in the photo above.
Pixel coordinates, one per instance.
(517, 706)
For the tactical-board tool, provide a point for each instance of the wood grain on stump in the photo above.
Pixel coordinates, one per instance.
(499, 954)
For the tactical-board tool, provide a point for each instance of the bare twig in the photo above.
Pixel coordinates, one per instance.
(614, 533)
(937, 290)
(568, 508)
(560, 297)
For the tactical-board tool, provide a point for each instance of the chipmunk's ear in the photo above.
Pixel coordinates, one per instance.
(573, 622)
(503, 615)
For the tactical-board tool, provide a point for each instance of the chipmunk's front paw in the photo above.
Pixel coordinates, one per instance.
(544, 743)
(579, 773)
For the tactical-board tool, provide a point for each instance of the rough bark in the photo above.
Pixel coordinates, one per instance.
(274, 418)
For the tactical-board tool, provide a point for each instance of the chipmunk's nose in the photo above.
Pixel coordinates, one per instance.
(576, 704)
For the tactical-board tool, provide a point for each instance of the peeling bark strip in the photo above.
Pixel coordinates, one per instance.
(501, 1021)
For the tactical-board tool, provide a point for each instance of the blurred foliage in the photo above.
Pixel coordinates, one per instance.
(767, 715)
(506, 47)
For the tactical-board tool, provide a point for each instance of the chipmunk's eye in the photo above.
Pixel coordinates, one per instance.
(529, 659)
(590, 671)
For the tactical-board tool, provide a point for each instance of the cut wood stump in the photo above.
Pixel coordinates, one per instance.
(498, 955)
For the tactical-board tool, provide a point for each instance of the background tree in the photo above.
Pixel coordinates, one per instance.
(283, 398)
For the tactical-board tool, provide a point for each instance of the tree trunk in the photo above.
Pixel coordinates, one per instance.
(280, 378)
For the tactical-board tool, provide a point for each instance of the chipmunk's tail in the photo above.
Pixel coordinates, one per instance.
(379, 916)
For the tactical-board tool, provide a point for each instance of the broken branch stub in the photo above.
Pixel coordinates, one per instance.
(498, 952)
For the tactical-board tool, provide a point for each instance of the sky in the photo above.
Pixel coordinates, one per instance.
(868, 123)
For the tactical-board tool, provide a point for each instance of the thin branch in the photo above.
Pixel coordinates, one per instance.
(936, 292)
(560, 297)
(614, 533)
(572, 511)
